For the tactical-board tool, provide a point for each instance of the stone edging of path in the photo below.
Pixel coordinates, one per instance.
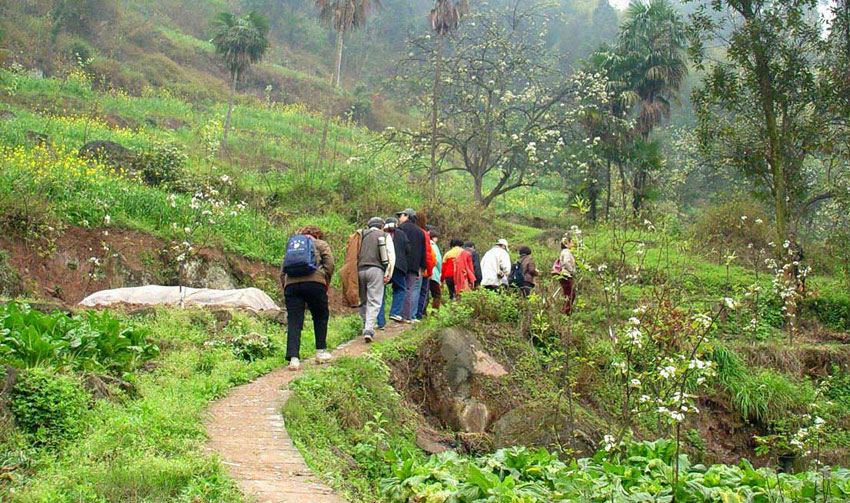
(247, 432)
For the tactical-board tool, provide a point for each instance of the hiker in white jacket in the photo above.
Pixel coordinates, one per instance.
(496, 266)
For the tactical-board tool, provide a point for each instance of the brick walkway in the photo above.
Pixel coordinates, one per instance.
(246, 430)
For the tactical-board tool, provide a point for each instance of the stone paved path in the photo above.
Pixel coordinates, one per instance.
(246, 430)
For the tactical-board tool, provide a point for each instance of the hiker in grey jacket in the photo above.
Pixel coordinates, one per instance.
(375, 263)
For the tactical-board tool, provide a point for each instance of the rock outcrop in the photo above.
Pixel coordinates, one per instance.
(456, 393)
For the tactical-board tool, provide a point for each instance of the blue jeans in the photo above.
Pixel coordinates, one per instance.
(399, 285)
(411, 300)
(423, 299)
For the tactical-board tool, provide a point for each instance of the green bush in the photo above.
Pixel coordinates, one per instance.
(91, 342)
(763, 396)
(454, 314)
(164, 166)
(78, 51)
(10, 280)
(732, 226)
(495, 307)
(49, 405)
(831, 308)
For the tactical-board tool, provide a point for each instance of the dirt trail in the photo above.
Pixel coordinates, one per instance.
(248, 433)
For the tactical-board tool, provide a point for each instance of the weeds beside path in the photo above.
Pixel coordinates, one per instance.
(248, 433)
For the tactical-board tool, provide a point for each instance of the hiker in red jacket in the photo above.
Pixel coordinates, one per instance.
(458, 272)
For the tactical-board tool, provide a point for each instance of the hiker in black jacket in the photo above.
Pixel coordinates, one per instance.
(416, 263)
(399, 278)
(476, 261)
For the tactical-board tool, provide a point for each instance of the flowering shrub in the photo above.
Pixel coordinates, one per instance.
(163, 166)
(251, 346)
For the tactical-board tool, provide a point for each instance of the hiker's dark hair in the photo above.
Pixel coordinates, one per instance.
(524, 250)
(455, 242)
(312, 230)
(469, 244)
(421, 220)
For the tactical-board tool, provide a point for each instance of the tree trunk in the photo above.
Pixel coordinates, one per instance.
(229, 111)
(638, 186)
(434, 112)
(323, 144)
(593, 194)
(608, 194)
(774, 157)
(477, 189)
(338, 73)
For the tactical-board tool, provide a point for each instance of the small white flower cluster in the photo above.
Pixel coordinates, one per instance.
(667, 372)
(702, 320)
(634, 336)
(609, 443)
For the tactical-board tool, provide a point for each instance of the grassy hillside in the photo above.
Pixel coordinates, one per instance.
(107, 407)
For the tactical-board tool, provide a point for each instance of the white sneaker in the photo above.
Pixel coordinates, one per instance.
(368, 337)
(294, 364)
(323, 356)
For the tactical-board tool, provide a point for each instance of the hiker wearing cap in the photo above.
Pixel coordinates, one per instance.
(305, 283)
(476, 261)
(457, 271)
(416, 262)
(398, 278)
(565, 269)
(422, 300)
(375, 263)
(496, 266)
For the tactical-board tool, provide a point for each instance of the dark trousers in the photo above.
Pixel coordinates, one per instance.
(436, 295)
(422, 303)
(299, 297)
(450, 284)
(569, 291)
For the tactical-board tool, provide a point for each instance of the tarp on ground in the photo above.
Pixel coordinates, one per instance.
(154, 295)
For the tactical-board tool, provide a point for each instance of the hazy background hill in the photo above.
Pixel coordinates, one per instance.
(134, 44)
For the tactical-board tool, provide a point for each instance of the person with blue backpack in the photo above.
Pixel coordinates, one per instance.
(306, 276)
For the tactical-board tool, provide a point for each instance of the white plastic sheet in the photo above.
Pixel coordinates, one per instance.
(153, 295)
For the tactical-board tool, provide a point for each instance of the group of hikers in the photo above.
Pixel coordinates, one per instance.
(401, 252)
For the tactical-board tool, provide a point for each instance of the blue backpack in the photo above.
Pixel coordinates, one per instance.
(300, 258)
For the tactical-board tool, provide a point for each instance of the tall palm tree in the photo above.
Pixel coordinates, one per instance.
(241, 41)
(445, 18)
(343, 16)
(651, 47)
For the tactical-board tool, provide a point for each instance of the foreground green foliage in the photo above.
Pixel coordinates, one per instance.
(49, 406)
(91, 342)
(633, 473)
(147, 444)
